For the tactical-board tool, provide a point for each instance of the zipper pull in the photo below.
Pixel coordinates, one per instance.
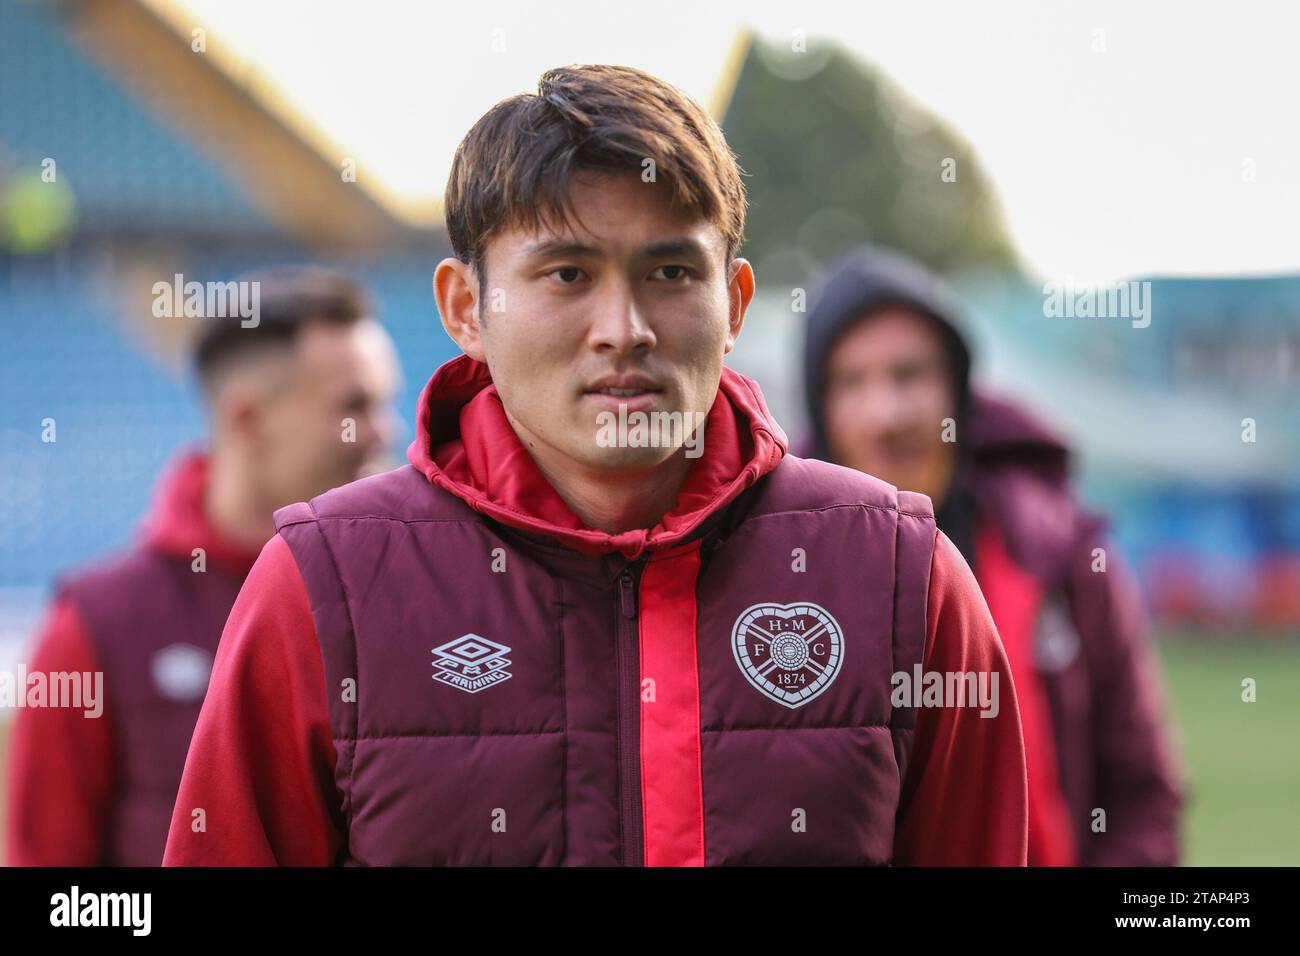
(627, 590)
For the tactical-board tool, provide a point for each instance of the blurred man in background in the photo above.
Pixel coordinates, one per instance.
(299, 402)
(887, 381)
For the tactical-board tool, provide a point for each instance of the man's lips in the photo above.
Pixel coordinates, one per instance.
(623, 392)
(627, 385)
(628, 388)
(637, 401)
(633, 391)
(898, 457)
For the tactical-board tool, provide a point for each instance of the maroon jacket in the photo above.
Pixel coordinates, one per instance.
(98, 791)
(1110, 731)
(1095, 725)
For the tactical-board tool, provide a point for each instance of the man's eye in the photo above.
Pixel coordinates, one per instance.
(568, 275)
(681, 272)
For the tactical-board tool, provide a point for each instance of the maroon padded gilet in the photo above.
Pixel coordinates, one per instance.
(527, 771)
(135, 607)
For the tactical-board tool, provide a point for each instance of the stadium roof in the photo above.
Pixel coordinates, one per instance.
(153, 138)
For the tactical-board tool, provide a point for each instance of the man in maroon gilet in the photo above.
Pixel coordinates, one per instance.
(282, 386)
(887, 370)
(601, 617)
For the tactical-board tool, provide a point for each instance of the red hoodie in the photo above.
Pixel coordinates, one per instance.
(261, 763)
(63, 767)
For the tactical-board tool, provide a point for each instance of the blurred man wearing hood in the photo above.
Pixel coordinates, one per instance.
(887, 383)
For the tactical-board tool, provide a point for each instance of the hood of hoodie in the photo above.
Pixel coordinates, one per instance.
(865, 281)
(465, 445)
(1012, 467)
(1018, 474)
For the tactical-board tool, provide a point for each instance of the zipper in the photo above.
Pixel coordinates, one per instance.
(628, 661)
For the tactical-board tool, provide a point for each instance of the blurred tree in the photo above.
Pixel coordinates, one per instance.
(836, 155)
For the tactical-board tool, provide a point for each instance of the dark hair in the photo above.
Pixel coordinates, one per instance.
(514, 165)
(289, 298)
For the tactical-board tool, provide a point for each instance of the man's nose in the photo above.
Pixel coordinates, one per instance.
(619, 323)
(388, 425)
(378, 428)
(883, 409)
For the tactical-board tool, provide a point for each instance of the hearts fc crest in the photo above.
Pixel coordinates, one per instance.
(790, 652)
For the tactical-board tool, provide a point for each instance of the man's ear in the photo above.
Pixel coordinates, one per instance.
(740, 291)
(237, 407)
(455, 288)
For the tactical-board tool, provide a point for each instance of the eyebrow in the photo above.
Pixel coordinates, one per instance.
(685, 246)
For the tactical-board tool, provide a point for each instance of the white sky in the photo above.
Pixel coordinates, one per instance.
(1107, 163)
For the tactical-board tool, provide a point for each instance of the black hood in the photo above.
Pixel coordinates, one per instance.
(866, 280)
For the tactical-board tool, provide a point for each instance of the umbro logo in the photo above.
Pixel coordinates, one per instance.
(471, 663)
